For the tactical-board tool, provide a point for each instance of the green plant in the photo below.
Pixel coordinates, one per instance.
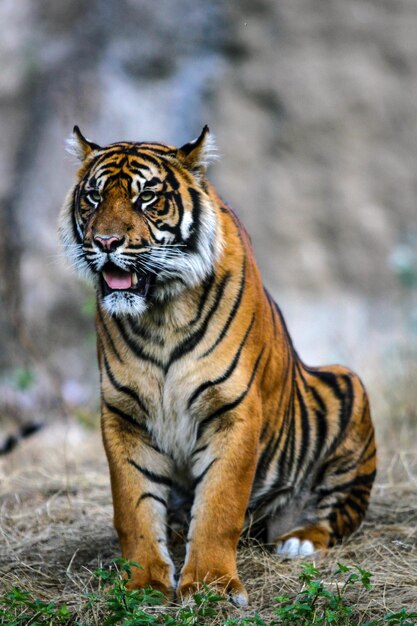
(129, 608)
(205, 606)
(18, 608)
(402, 618)
(319, 603)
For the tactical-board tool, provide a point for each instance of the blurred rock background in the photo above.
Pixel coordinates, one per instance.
(314, 105)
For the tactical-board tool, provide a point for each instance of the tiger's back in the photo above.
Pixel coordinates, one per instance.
(201, 386)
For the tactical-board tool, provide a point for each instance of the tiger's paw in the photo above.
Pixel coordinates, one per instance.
(231, 589)
(304, 542)
(293, 548)
(159, 577)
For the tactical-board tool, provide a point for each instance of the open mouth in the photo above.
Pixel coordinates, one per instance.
(115, 279)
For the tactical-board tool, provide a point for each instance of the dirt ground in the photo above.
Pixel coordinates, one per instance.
(56, 528)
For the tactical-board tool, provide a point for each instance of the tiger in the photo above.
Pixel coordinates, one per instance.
(202, 390)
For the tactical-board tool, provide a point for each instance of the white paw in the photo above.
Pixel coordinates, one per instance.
(293, 548)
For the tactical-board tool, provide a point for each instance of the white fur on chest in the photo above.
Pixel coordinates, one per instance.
(173, 426)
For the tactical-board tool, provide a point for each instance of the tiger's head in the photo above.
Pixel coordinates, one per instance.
(139, 222)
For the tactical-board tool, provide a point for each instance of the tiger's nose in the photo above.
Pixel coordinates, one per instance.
(108, 243)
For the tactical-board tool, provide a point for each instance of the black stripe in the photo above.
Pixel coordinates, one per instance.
(107, 169)
(365, 480)
(155, 146)
(118, 176)
(321, 424)
(231, 315)
(104, 156)
(144, 333)
(305, 431)
(358, 508)
(151, 495)
(156, 478)
(337, 523)
(108, 336)
(125, 416)
(136, 349)
(361, 493)
(286, 429)
(276, 490)
(169, 203)
(292, 446)
(272, 311)
(284, 328)
(340, 506)
(286, 459)
(343, 469)
(347, 404)
(76, 208)
(200, 449)
(163, 164)
(345, 413)
(227, 373)
(289, 446)
(123, 388)
(231, 405)
(207, 285)
(281, 388)
(269, 452)
(332, 380)
(138, 165)
(192, 241)
(130, 420)
(178, 204)
(319, 419)
(370, 456)
(170, 176)
(191, 342)
(152, 181)
(203, 473)
(262, 469)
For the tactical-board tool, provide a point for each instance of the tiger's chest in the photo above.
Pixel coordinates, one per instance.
(161, 398)
(171, 421)
(173, 383)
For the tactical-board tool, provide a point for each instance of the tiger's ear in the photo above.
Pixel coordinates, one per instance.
(79, 146)
(198, 154)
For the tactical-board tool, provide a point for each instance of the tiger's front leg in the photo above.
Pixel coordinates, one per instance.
(140, 481)
(223, 468)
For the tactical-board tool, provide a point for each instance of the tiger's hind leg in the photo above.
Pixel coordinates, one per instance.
(342, 486)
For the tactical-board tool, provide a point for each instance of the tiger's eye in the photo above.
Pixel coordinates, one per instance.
(147, 196)
(94, 195)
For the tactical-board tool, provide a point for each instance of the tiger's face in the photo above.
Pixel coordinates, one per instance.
(139, 222)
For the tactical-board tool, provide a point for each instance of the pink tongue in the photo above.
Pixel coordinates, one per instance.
(118, 279)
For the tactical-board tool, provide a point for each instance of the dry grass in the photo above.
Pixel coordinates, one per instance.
(56, 528)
